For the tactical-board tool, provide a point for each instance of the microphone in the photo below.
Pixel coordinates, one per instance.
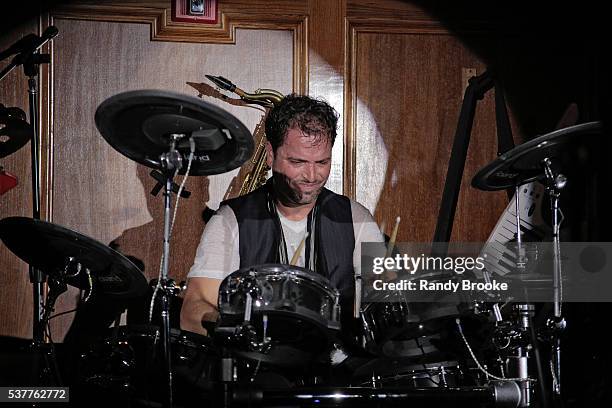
(30, 42)
(20, 45)
(48, 34)
(31, 45)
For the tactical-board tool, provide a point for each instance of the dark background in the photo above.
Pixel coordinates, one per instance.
(548, 55)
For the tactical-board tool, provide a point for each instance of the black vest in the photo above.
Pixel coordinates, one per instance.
(260, 231)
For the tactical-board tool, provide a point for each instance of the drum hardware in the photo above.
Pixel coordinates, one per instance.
(515, 340)
(28, 55)
(517, 363)
(70, 258)
(503, 395)
(556, 325)
(128, 363)
(57, 285)
(535, 161)
(164, 130)
(280, 315)
(392, 328)
(525, 163)
(170, 161)
(161, 181)
(495, 308)
(140, 125)
(410, 373)
(228, 377)
(244, 336)
(174, 288)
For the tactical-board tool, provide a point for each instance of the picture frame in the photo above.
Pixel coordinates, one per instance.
(195, 11)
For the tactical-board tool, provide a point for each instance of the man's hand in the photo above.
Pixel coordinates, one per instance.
(200, 304)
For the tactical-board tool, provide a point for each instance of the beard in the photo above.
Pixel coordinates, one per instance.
(289, 195)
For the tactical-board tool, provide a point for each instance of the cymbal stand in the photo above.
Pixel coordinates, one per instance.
(554, 184)
(518, 363)
(518, 337)
(57, 283)
(171, 162)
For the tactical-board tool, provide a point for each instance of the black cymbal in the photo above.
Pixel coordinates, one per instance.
(139, 125)
(523, 164)
(14, 130)
(48, 246)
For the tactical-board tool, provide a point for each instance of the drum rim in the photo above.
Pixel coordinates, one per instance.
(297, 271)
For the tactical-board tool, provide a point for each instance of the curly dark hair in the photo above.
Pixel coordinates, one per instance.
(312, 116)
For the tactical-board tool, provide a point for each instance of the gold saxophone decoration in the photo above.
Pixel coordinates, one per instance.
(253, 174)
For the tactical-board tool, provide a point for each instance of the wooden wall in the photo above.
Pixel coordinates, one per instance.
(16, 290)
(395, 75)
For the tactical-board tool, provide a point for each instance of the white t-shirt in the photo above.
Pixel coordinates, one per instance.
(218, 253)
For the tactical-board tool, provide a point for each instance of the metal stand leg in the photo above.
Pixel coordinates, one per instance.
(227, 378)
(29, 56)
(36, 276)
(554, 184)
(165, 304)
(171, 161)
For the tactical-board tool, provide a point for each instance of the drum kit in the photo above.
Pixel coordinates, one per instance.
(278, 338)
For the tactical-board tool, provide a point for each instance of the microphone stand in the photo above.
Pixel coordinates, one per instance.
(31, 59)
(31, 69)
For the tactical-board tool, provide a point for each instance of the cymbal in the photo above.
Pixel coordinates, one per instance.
(140, 125)
(15, 132)
(523, 164)
(48, 246)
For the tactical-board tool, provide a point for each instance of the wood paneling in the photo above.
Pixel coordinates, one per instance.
(405, 93)
(325, 68)
(393, 72)
(101, 193)
(273, 15)
(15, 288)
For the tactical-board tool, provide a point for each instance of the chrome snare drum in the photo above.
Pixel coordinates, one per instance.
(279, 314)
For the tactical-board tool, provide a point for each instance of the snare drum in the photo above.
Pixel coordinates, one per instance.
(278, 314)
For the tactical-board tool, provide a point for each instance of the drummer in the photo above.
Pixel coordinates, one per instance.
(268, 224)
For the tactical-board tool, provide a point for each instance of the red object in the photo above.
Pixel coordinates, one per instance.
(180, 12)
(7, 181)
